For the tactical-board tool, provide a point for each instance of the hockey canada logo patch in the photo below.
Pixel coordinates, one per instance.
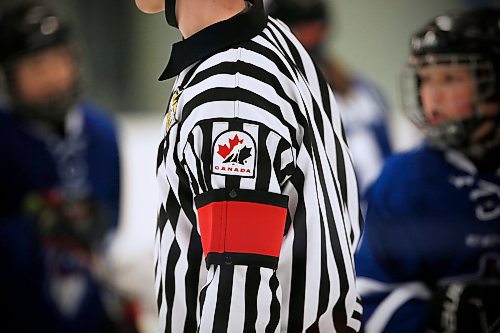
(234, 154)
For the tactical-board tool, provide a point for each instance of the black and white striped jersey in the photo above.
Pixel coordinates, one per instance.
(258, 215)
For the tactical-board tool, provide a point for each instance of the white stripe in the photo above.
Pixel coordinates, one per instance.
(393, 302)
(179, 308)
(207, 320)
(284, 271)
(367, 286)
(272, 143)
(236, 320)
(253, 130)
(165, 242)
(217, 181)
(264, 298)
(230, 55)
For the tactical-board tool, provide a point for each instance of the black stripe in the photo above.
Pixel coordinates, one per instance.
(186, 198)
(185, 194)
(252, 282)
(269, 54)
(245, 259)
(341, 169)
(297, 59)
(206, 154)
(224, 293)
(325, 93)
(324, 283)
(275, 305)
(298, 281)
(156, 266)
(173, 258)
(356, 315)
(172, 209)
(283, 145)
(194, 182)
(191, 280)
(199, 170)
(314, 328)
(274, 41)
(203, 293)
(344, 137)
(318, 118)
(161, 220)
(189, 74)
(223, 194)
(160, 156)
(159, 297)
(361, 222)
(264, 168)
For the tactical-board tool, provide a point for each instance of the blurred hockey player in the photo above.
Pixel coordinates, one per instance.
(433, 225)
(60, 182)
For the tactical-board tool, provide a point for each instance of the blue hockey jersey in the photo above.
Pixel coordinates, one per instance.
(432, 219)
(58, 198)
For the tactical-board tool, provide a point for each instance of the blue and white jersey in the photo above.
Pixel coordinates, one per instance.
(59, 196)
(432, 219)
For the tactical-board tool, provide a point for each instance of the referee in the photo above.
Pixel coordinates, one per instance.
(259, 212)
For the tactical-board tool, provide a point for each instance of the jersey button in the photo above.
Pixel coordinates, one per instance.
(228, 260)
(233, 194)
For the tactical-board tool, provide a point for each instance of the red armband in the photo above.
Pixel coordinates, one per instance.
(242, 227)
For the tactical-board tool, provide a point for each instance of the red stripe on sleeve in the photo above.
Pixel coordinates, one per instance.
(242, 227)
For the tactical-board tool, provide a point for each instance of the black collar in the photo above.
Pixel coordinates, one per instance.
(215, 38)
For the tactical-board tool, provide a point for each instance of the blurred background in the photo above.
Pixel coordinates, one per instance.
(123, 52)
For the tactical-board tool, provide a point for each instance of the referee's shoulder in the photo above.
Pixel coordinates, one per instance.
(242, 67)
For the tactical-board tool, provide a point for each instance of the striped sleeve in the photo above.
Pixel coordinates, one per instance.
(237, 168)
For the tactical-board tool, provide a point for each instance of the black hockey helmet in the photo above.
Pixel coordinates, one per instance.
(298, 11)
(29, 27)
(470, 38)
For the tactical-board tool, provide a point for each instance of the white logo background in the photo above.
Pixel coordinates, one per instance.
(234, 154)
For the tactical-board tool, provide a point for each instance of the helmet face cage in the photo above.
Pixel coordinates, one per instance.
(481, 71)
(456, 132)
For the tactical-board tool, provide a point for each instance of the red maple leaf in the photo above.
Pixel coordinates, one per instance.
(224, 150)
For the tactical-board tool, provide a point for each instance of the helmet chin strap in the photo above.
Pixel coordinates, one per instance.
(170, 13)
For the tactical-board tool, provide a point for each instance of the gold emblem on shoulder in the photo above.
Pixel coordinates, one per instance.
(172, 108)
